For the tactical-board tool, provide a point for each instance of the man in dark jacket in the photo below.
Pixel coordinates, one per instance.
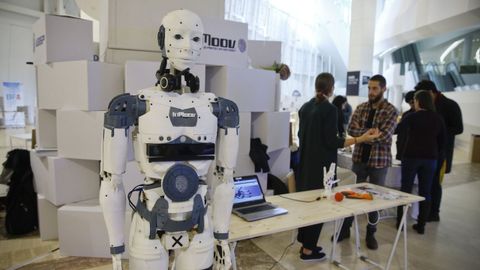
(452, 116)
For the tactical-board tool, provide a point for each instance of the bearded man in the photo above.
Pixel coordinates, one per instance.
(371, 160)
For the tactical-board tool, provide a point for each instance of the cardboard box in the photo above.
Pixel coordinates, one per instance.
(47, 219)
(253, 90)
(82, 231)
(81, 85)
(245, 133)
(141, 74)
(64, 180)
(263, 179)
(121, 56)
(46, 129)
(244, 166)
(39, 164)
(273, 128)
(264, 53)
(224, 43)
(128, 25)
(61, 38)
(280, 163)
(79, 134)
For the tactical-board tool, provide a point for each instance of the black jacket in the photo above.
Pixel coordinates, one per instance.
(318, 143)
(452, 116)
(401, 136)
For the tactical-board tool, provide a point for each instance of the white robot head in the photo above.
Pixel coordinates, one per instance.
(181, 38)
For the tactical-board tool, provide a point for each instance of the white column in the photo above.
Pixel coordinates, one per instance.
(362, 34)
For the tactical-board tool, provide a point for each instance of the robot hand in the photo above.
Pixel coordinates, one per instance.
(117, 262)
(223, 260)
(328, 179)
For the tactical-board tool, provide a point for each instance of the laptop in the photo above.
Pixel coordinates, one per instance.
(249, 202)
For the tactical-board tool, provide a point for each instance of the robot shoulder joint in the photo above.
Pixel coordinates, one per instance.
(226, 112)
(123, 111)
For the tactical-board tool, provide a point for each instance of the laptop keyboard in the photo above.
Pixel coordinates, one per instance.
(255, 209)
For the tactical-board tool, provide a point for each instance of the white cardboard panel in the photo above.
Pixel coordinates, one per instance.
(39, 164)
(245, 133)
(141, 74)
(81, 85)
(46, 129)
(129, 25)
(120, 56)
(61, 38)
(263, 53)
(224, 43)
(47, 219)
(65, 181)
(272, 128)
(244, 166)
(263, 179)
(82, 231)
(279, 163)
(253, 90)
(79, 134)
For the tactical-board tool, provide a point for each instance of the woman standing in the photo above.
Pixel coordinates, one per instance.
(425, 144)
(318, 149)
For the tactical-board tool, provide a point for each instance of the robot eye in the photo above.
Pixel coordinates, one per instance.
(178, 36)
(196, 39)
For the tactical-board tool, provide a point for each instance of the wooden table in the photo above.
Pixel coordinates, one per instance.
(301, 214)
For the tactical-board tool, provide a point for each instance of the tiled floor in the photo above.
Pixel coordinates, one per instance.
(452, 243)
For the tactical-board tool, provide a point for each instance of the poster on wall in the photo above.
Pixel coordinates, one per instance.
(12, 95)
(353, 84)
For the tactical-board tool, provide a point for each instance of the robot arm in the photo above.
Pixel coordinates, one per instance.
(223, 190)
(122, 113)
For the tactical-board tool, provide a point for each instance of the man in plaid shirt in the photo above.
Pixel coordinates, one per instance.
(371, 160)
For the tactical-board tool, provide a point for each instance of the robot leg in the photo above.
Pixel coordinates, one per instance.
(145, 253)
(199, 254)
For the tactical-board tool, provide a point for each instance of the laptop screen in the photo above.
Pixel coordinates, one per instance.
(247, 191)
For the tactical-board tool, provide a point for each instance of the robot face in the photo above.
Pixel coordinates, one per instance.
(183, 38)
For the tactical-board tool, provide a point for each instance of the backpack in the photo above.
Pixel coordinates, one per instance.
(21, 203)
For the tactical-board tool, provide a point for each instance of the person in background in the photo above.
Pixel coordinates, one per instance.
(347, 113)
(424, 145)
(339, 102)
(371, 160)
(452, 117)
(318, 149)
(402, 136)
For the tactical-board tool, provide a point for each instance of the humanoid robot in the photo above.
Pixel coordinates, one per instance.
(186, 144)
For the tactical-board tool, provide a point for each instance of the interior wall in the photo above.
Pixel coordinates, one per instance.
(422, 19)
(16, 48)
(468, 102)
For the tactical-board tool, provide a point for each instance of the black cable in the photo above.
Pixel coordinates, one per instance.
(137, 188)
(281, 257)
(297, 200)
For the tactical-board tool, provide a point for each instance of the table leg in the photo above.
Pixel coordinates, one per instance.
(233, 245)
(403, 225)
(336, 233)
(357, 236)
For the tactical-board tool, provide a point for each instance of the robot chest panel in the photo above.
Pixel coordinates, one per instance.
(172, 116)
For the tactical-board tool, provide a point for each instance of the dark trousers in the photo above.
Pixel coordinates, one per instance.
(436, 190)
(308, 236)
(375, 176)
(425, 170)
